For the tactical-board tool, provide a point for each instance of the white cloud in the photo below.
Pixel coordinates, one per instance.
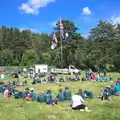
(33, 6)
(31, 29)
(86, 11)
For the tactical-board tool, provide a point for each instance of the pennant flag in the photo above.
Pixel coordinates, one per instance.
(54, 41)
(61, 28)
(66, 36)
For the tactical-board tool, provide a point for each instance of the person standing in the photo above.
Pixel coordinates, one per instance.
(105, 71)
(6, 93)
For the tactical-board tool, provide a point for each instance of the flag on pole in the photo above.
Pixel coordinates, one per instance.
(66, 36)
(54, 41)
(61, 28)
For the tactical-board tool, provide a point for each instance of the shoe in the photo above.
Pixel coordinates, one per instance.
(88, 110)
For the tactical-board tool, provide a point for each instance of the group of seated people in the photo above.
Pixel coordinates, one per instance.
(10, 89)
(36, 80)
(91, 76)
(30, 94)
(109, 91)
(52, 79)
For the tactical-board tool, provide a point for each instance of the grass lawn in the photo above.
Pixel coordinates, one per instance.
(23, 110)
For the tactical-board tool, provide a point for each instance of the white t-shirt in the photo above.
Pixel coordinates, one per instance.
(76, 100)
(2, 76)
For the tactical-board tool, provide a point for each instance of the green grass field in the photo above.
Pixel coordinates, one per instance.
(23, 110)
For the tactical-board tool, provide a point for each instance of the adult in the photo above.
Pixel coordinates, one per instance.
(78, 103)
(105, 71)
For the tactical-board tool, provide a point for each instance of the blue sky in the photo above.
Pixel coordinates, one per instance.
(41, 15)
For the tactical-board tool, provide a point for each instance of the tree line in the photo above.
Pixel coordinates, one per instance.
(24, 48)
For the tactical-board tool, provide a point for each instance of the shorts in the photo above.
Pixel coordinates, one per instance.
(79, 107)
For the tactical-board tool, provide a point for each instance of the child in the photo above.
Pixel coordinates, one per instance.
(81, 93)
(85, 94)
(27, 96)
(34, 81)
(18, 94)
(38, 80)
(41, 97)
(102, 79)
(67, 94)
(49, 98)
(106, 94)
(90, 94)
(6, 93)
(117, 89)
(33, 95)
(111, 78)
(60, 96)
(118, 81)
(113, 90)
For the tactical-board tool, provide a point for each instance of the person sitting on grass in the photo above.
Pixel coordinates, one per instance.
(61, 79)
(113, 92)
(12, 91)
(49, 98)
(33, 95)
(88, 75)
(38, 80)
(17, 83)
(76, 78)
(27, 97)
(34, 81)
(67, 94)
(89, 94)
(41, 97)
(1, 90)
(78, 103)
(102, 79)
(111, 78)
(60, 96)
(106, 94)
(93, 77)
(81, 93)
(18, 94)
(117, 89)
(118, 81)
(24, 93)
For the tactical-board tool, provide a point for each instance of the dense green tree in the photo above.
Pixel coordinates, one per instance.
(27, 48)
(29, 58)
(6, 57)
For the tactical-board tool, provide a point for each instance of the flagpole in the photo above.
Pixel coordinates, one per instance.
(61, 37)
(61, 54)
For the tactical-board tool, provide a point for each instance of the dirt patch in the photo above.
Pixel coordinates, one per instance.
(18, 108)
(29, 102)
(51, 117)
